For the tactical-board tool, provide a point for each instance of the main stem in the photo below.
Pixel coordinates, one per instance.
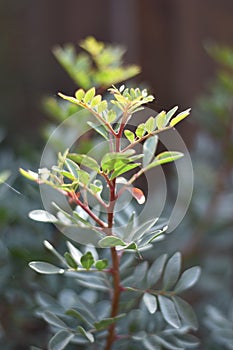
(115, 257)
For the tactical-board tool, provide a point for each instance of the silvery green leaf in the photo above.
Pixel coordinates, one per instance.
(151, 302)
(42, 216)
(168, 311)
(149, 148)
(168, 345)
(156, 270)
(45, 268)
(60, 340)
(86, 334)
(172, 271)
(52, 319)
(185, 312)
(188, 279)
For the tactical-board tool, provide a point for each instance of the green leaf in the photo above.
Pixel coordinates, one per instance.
(52, 319)
(86, 334)
(84, 177)
(45, 268)
(72, 167)
(79, 94)
(87, 260)
(149, 344)
(89, 95)
(102, 106)
(161, 120)
(165, 157)
(84, 160)
(172, 271)
(140, 272)
(100, 129)
(111, 241)
(79, 316)
(96, 187)
(111, 116)
(140, 131)
(123, 169)
(101, 264)
(180, 117)
(106, 322)
(129, 135)
(4, 176)
(60, 340)
(185, 312)
(188, 279)
(70, 261)
(150, 125)
(31, 175)
(170, 114)
(96, 101)
(169, 312)
(76, 254)
(151, 302)
(149, 148)
(113, 160)
(156, 270)
(42, 216)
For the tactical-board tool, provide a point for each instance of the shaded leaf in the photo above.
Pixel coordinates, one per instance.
(45, 268)
(87, 260)
(111, 241)
(169, 312)
(156, 270)
(186, 312)
(149, 148)
(86, 334)
(101, 264)
(60, 340)
(70, 261)
(188, 279)
(100, 129)
(53, 319)
(172, 271)
(107, 322)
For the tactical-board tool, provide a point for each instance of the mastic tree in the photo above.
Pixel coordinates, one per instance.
(124, 300)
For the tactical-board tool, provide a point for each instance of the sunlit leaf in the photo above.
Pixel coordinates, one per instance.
(42, 216)
(151, 302)
(84, 160)
(180, 117)
(89, 95)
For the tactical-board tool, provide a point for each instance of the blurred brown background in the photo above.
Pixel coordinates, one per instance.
(165, 37)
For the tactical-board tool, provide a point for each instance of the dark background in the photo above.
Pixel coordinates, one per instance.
(165, 37)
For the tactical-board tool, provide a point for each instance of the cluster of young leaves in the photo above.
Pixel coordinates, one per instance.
(155, 297)
(79, 175)
(99, 65)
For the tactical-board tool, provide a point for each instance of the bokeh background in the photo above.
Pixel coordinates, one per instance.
(167, 38)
